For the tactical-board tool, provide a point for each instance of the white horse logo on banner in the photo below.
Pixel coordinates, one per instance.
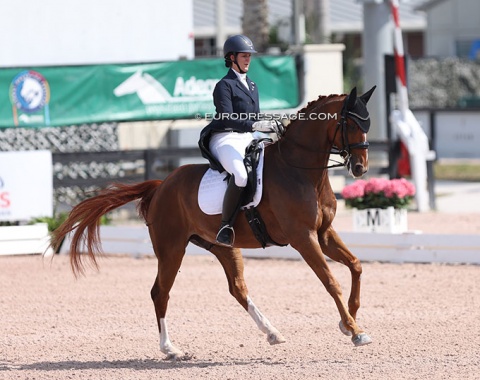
(151, 91)
(148, 89)
(32, 93)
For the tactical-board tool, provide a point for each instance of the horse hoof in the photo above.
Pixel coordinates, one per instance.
(173, 353)
(178, 356)
(343, 329)
(275, 338)
(361, 339)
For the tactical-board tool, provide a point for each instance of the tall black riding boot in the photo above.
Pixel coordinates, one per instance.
(231, 205)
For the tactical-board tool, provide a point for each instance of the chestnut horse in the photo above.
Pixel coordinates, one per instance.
(298, 206)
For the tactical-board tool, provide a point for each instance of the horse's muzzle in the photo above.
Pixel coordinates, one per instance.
(358, 170)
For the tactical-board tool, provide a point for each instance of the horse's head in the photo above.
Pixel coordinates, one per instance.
(350, 136)
(306, 145)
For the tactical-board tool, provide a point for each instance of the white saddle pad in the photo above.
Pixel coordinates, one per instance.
(213, 187)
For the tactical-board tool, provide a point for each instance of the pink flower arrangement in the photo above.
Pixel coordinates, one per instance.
(378, 193)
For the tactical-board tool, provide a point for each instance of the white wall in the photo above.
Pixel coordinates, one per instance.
(323, 70)
(451, 21)
(457, 134)
(69, 32)
(439, 34)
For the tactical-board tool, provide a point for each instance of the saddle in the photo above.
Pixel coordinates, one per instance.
(213, 185)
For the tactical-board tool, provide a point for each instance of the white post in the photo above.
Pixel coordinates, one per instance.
(298, 23)
(220, 35)
(376, 41)
(322, 28)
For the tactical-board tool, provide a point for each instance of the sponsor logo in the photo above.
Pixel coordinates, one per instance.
(4, 196)
(29, 91)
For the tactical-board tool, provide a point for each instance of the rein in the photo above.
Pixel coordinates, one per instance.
(345, 152)
(337, 164)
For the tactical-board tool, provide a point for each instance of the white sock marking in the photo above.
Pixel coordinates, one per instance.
(166, 345)
(262, 322)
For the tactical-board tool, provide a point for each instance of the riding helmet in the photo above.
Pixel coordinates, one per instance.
(238, 44)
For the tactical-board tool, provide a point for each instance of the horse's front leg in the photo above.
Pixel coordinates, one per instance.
(232, 263)
(312, 253)
(333, 246)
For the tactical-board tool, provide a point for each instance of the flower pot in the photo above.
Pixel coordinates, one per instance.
(389, 220)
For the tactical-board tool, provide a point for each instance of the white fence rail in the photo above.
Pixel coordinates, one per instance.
(23, 240)
(400, 248)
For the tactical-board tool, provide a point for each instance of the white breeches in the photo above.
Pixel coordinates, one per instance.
(229, 149)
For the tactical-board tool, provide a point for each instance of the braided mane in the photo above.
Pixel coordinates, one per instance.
(312, 104)
(315, 102)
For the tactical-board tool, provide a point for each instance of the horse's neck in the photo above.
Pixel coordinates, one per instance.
(304, 167)
(307, 144)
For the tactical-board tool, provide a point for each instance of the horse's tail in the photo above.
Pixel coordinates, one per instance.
(85, 219)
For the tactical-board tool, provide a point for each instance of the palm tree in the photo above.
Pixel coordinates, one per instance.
(255, 23)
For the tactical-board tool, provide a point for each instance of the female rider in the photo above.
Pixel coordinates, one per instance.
(224, 140)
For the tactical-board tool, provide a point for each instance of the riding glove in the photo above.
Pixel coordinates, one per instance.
(265, 126)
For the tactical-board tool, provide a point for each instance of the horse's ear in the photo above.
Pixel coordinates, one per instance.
(352, 99)
(366, 97)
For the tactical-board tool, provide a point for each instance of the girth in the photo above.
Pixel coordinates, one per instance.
(254, 219)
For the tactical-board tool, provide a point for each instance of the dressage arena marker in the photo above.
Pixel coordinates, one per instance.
(384, 247)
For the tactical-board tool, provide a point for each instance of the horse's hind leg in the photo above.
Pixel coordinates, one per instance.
(232, 263)
(333, 246)
(169, 261)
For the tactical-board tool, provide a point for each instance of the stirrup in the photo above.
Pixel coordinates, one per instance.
(226, 236)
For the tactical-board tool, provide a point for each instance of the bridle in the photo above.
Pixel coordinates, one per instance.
(345, 153)
(342, 126)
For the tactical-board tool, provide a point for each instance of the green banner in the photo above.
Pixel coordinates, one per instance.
(57, 96)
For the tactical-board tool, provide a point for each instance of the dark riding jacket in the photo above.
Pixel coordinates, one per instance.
(234, 106)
